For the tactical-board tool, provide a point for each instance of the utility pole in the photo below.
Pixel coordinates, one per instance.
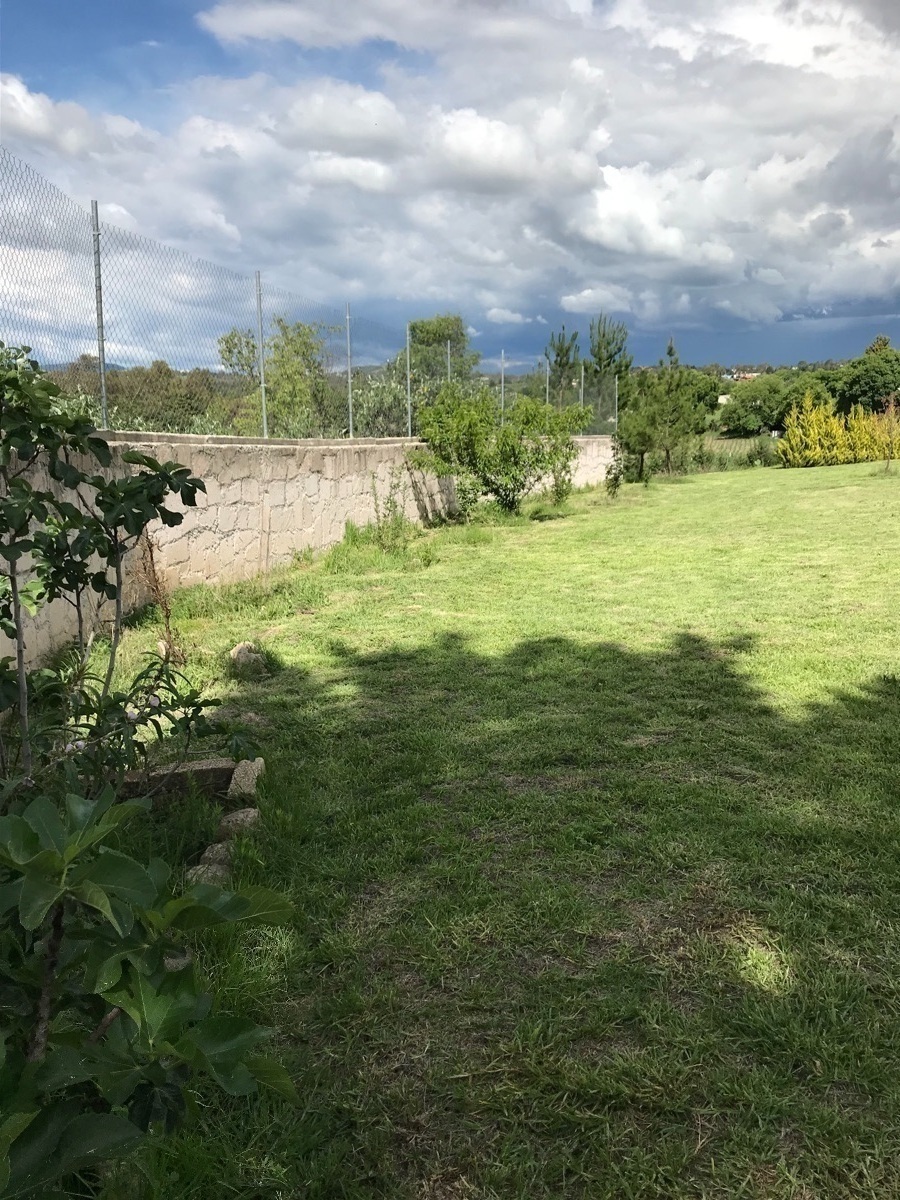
(261, 356)
(408, 384)
(349, 373)
(101, 340)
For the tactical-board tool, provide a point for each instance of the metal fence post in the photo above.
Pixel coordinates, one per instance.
(261, 357)
(408, 384)
(101, 340)
(349, 373)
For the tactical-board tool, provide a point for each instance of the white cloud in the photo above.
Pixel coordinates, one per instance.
(505, 316)
(665, 159)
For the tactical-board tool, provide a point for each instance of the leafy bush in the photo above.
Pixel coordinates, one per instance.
(393, 530)
(501, 454)
(814, 436)
(104, 1019)
(615, 471)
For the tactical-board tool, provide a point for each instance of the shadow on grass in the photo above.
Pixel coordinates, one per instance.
(573, 920)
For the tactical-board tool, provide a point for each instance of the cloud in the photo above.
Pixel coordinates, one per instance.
(726, 166)
(505, 316)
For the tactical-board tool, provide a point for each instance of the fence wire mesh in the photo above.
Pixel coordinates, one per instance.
(193, 347)
(182, 335)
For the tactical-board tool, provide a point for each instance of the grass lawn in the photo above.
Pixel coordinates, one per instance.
(593, 830)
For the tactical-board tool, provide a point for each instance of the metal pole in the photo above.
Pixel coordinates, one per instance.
(261, 356)
(101, 340)
(617, 404)
(502, 384)
(349, 374)
(448, 360)
(581, 393)
(408, 385)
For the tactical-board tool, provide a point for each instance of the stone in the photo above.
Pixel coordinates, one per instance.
(178, 960)
(208, 776)
(247, 657)
(245, 778)
(216, 874)
(217, 855)
(242, 820)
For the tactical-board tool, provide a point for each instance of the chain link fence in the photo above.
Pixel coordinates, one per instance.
(143, 336)
(146, 337)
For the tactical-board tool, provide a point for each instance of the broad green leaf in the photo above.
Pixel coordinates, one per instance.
(103, 825)
(204, 906)
(227, 1038)
(271, 1073)
(95, 1137)
(33, 1156)
(80, 810)
(43, 817)
(109, 973)
(94, 896)
(158, 1011)
(12, 1126)
(18, 841)
(10, 894)
(62, 1067)
(267, 907)
(233, 1078)
(38, 897)
(121, 876)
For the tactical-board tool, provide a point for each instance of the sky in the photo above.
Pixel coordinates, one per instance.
(727, 174)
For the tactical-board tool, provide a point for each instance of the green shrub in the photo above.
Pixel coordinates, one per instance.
(105, 1022)
(615, 471)
(495, 453)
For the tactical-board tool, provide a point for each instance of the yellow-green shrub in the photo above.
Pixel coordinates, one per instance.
(814, 436)
(865, 437)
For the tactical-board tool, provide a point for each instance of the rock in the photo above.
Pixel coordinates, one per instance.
(245, 778)
(246, 657)
(214, 873)
(209, 776)
(177, 961)
(235, 823)
(218, 855)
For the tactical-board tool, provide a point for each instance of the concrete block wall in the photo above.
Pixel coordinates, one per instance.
(266, 500)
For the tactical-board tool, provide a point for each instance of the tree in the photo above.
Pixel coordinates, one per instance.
(300, 402)
(665, 412)
(755, 406)
(564, 359)
(873, 379)
(609, 355)
(239, 354)
(881, 343)
(428, 339)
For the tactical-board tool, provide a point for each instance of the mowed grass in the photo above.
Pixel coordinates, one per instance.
(592, 826)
